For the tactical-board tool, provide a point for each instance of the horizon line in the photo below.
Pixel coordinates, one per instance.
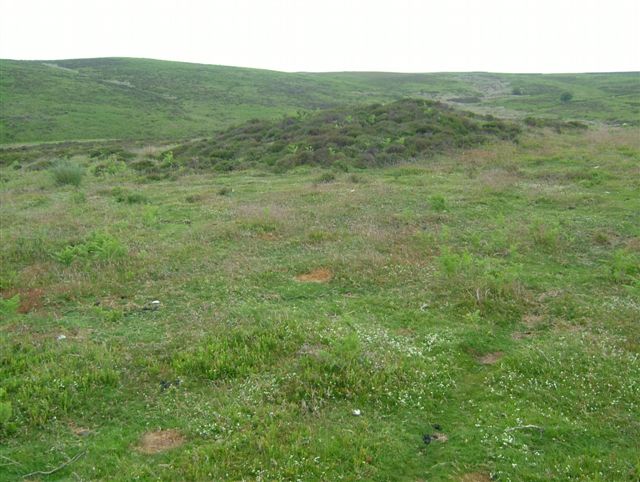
(328, 71)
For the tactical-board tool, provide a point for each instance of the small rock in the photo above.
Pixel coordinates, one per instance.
(356, 412)
(152, 305)
(61, 337)
(426, 438)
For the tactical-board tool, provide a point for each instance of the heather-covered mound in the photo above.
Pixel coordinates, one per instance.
(364, 136)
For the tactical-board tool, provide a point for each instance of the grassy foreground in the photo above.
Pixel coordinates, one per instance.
(469, 317)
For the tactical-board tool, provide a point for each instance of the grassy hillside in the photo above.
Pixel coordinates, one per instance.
(471, 317)
(133, 98)
(607, 97)
(149, 99)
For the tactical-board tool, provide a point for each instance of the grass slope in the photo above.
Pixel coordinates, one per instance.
(133, 98)
(484, 301)
(149, 99)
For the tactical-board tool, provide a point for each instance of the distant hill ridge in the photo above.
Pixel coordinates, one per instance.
(126, 98)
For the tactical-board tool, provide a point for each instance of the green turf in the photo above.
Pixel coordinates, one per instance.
(122, 98)
(487, 298)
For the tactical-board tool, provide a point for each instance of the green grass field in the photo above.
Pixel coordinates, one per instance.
(487, 299)
(122, 98)
(435, 296)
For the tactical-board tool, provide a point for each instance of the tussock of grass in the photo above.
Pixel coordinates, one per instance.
(67, 172)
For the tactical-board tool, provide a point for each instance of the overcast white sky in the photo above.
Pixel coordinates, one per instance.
(332, 35)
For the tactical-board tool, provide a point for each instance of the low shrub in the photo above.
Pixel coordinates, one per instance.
(326, 177)
(79, 197)
(128, 197)
(566, 97)
(555, 124)
(356, 179)
(438, 203)
(110, 166)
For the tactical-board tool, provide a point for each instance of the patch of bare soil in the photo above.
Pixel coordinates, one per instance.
(531, 321)
(439, 437)
(34, 272)
(476, 477)
(633, 244)
(521, 335)
(549, 294)
(405, 332)
(160, 441)
(490, 358)
(268, 236)
(79, 431)
(310, 350)
(320, 275)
